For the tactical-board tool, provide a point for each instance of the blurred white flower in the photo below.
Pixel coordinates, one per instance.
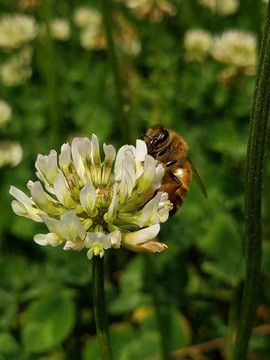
(90, 21)
(16, 30)
(15, 72)
(197, 44)
(153, 10)
(221, 7)
(236, 48)
(92, 38)
(86, 17)
(89, 205)
(10, 153)
(29, 4)
(5, 112)
(60, 29)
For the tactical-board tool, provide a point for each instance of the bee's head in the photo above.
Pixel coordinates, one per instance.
(156, 137)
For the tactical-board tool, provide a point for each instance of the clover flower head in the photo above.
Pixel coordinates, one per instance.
(10, 153)
(5, 112)
(86, 17)
(221, 7)
(29, 4)
(15, 72)
(236, 48)
(60, 29)
(17, 30)
(197, 43)
(153, 10)
(92, 38)
(92, 35)
(95, 204)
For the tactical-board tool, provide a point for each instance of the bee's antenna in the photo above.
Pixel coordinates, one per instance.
(144, 135)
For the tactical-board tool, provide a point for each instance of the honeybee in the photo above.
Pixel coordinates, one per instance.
(168, 147)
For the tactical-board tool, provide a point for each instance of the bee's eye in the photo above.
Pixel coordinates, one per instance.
(162, 138)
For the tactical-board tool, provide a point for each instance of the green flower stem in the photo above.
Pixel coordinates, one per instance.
(253, 226)
(100, 308)
(123, 123)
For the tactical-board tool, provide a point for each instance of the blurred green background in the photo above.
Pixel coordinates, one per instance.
(60, 84)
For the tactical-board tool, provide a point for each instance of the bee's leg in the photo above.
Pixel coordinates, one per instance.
(162, 152)
(171, 163)
(175, 178)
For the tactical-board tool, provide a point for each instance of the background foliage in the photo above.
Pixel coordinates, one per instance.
(45, 293)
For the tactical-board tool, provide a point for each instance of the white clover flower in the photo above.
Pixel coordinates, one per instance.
(29, 4)
(86, 17)
(221, 7)
(91, 38)
(10, 153)
(88, 204)
(236, 48)
(5, 112)
(153, 10)
(60, 29)
(14, 73)
(16, 30)
(17, 70)
(197, 44)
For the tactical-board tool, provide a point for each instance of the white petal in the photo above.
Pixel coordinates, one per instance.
(88, 197)
(76, 245)
(142, 236)
(163, 214)
(148, 173)
(27, 211)
(19, 208)
(147, 216)
(95, 149)
(71, 227)
(81, 153)
(54, 239)
(43, 200)
(20, 196)
(47, 166)
(109, 152)
(90, 253)
(111, 214)
(62, 191)
(115, 239)
(99, 238)
(64, 157)
(53, 225)
(120, 157)
(41, 239)
(52, 168)
(129, 165)
(141, 150)
(23, 207)
(157, 181)
(123, 193)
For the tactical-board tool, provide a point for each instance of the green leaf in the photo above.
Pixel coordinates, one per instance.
(224, 245)
(177, 327)
(47, 323)
(131, 285)
(8, 344)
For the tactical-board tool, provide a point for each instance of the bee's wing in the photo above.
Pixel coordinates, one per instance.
(197, 177)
